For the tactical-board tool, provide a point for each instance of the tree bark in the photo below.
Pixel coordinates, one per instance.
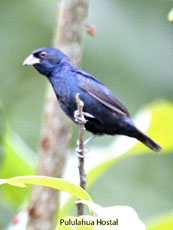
(56, 131)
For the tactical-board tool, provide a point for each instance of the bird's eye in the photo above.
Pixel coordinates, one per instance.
(43, 54)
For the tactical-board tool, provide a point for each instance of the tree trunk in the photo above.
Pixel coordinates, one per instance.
(56, 132)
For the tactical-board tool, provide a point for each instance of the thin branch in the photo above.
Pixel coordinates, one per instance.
(80, 151)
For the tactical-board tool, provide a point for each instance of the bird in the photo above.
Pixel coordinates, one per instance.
(103, 111)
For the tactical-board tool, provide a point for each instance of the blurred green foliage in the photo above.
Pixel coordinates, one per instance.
(161, 222)
(131, 53)
(18, 160)
(170, 16)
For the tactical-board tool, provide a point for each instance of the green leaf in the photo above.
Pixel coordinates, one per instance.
(18, 160)
(160, 126)
(50, 182)
(164, 222)
(18, 154)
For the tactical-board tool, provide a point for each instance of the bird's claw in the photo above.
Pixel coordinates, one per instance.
(78, 118)
(79, 151)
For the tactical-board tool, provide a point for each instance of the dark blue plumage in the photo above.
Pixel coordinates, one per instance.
(104, 113)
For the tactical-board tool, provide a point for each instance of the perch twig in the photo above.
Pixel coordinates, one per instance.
(80, 151)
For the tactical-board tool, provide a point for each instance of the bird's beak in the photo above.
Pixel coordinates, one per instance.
(31, 60)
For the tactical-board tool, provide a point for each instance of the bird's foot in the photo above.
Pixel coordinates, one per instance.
(80, 119)
(89, 139)
(79, 153)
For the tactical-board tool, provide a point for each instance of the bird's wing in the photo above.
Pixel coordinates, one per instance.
(100, 92)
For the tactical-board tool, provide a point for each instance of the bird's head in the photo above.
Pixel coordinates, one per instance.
(46, 60)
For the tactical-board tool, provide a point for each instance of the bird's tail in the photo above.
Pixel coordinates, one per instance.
(148, 141)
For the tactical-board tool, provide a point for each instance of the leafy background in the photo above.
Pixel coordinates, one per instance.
(131, 53)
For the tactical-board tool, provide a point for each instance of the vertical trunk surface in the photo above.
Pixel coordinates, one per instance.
(56, 131)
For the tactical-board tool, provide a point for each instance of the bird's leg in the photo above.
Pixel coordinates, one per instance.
(89, 139)
(78, 151)
(80, 119)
